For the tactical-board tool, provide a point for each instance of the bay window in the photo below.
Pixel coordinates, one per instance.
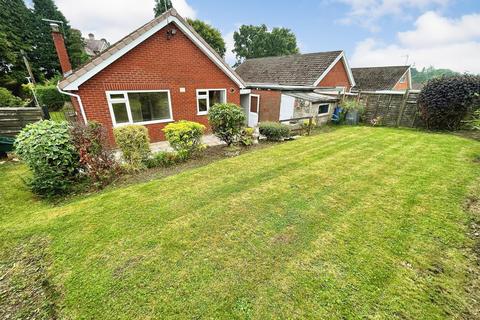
(140, 107)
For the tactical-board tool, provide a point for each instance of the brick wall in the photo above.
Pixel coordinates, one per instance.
(402, 86)
(269, 105)
(158, 64)
(337, 77)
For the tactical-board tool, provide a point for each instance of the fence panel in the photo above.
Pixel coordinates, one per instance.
(393, 108)
(12, 120)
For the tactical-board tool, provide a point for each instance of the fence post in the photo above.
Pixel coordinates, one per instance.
(45, 112)
(402, 107)
(310, 123)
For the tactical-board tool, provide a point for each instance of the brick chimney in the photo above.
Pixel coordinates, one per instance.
(61, 49)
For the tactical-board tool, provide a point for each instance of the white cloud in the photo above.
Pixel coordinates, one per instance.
(367, 12)
(436, 40)
(114, 19)
(230, 57)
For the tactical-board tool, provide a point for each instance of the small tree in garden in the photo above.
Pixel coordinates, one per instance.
(227, 121)
(185, 137)
(444, 102)
(47, 148)
(134, 143)
(96, 157)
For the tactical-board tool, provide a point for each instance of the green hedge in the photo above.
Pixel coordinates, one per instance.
(49, 96)
(8, 100)
(274, 131)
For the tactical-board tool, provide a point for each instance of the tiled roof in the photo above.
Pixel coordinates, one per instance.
(76, 74)
(297, 69)
(378, 78)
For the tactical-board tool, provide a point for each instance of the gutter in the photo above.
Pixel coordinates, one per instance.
(253, 85)
(79, 100)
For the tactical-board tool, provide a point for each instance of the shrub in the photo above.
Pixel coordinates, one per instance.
(444, 102)
(274, 131)
(163, 159)
(246, 138)
(96, 157)
(49, 96)
(474, 122)
(8, 100)
(134, 143)
(185, 137)
(47, 148)
(227, 121)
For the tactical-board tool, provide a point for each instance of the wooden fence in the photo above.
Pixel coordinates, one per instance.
(12, 120)
(393, 109)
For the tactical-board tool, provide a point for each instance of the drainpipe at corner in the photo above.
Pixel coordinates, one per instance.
(79, 100)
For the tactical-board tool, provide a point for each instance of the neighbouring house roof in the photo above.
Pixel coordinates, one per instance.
(95, 46)
(121, 47)
(293, 70)
(310, 96)
(378, 78)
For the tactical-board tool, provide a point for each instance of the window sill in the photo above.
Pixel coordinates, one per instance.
(144, 123)
(202, 113)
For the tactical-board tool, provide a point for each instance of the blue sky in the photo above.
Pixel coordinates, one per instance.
(443, 33)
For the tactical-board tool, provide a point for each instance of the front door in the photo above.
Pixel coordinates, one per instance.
(253, 111)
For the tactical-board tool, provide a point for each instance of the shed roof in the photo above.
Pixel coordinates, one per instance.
(378, 78)
(310, 96)
(297, 69)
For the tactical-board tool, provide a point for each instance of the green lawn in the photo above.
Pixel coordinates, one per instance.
(354, 223)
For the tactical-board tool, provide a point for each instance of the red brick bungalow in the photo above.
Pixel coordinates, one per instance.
(277, 84)
(160, 73)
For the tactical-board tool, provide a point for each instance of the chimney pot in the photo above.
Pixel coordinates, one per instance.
(55, 27)
(91, 36)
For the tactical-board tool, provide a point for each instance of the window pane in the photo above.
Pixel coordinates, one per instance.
(120, 112)
(117, 96)
(149, 106)
(216, 96)
(323, 108)
(254, 104)
(202, 105)
(202, 93)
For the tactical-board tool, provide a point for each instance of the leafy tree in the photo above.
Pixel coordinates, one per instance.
(161, 6)
(16, 34)
(257, 42)
(430, 73)
(45, 54)
(210, 34)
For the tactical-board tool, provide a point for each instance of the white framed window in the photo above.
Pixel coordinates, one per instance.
(323, 109)
(140, 106)
(206, 98)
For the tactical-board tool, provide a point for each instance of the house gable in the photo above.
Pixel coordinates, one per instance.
(336, 77)
(336, 72)
(118, 50)
(406, 84)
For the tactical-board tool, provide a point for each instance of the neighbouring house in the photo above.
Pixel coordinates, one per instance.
(396, 78)
(94, 46)
(287, 87)
(162, 72)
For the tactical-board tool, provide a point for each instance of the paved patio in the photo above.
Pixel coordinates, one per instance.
(210, 140)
